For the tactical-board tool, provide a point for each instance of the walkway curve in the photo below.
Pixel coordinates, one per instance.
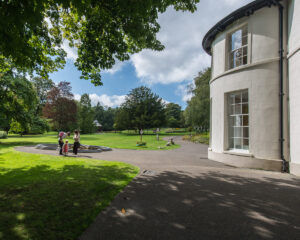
(189, 155)
(180, 194)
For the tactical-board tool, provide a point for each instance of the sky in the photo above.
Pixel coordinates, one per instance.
(167, 73)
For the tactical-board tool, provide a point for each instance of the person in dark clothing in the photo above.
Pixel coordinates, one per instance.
(76, 142)
(61, 137)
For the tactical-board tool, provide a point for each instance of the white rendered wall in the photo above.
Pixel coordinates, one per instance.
(260, 76)
(294, 83)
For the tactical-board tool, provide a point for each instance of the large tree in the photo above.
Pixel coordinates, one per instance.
(144, 108)
(197, 111)
(86, 115)
(32, 32)
(17, 99)
(173, 115)
(61, 107)
(105, 116)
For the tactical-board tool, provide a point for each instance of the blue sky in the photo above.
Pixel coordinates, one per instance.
(168, 72)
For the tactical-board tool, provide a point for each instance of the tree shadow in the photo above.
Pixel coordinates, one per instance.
(46, 203)
(208, 205)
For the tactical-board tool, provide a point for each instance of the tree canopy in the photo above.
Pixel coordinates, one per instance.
(173, 115)
(61, 107)
(141, 109)
(17, 99)
(32, 32)
(197, 111)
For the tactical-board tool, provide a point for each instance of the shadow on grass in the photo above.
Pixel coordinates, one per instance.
(209, 205)
(45, 203)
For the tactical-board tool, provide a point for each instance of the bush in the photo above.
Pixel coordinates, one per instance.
(3, 135)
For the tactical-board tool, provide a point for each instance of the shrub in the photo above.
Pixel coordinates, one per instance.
(3, 135)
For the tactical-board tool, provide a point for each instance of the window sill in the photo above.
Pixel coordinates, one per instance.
(239, 153)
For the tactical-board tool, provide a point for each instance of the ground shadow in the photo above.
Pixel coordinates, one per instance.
(45, 203)
(208, 205)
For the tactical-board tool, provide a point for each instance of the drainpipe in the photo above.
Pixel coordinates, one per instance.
(285, 164)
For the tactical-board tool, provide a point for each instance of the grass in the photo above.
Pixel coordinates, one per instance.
(48, 197)
(113, 140)
(198, 138)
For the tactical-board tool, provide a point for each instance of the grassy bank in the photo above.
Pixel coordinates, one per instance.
(47, 197)
(114, 140)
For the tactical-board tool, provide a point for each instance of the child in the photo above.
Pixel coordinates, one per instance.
(66, 148)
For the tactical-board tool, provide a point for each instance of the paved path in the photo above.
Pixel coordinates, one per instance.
(179, 194)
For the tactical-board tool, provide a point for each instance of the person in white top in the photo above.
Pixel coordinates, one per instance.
(76, 142)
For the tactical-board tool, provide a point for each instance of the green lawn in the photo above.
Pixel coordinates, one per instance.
(47, 197)
(113, 140)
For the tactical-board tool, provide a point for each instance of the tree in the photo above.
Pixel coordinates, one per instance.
(145, 109)
(42, 86)
(17, 99)
(86, 113)
(197, 111)
(32, 32)
(173, 115)
(61, 107)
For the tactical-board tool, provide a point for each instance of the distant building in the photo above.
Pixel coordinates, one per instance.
(255, 86)
(98, 125)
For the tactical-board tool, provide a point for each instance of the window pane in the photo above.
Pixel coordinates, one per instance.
(236, 40)
(246, 143)
(245, 132)
(237, 132)
(245, 40)
(238, 109)
(238, 98)
(245, 97)
(238, 121)
(245, 108)
(231, 99)
(245, 59)
(245, 120)
(231, 109)
(237, 143)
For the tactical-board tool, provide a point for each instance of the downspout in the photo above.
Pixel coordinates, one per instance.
(285, 164)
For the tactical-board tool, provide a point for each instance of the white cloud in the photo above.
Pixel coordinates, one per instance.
(104, 100)
(182, 34)
(71, 52)
(183, 92)
(116, 68)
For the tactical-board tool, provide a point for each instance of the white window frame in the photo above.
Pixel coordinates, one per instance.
(241, 115)
(244, 49)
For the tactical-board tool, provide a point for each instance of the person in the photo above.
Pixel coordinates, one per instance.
(61, 137)
(66, 148)
(76, 142)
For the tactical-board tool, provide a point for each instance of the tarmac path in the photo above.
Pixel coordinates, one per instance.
(180, 194)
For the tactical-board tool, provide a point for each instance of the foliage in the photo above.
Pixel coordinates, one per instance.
(42, 87)
(105, 116)
(197, 111)
(45, 197)
(86, 115)
(32, 32)
(3, 135)
(198, 138)
(144, 110)
(17, 99)
(61, 107)
(173, 115)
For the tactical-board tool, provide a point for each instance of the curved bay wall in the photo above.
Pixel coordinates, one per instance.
(261, 78)
(294, 83)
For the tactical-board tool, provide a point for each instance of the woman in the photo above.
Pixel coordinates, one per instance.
(76, 142)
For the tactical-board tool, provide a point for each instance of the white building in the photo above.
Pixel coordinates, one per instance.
(255, 86)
